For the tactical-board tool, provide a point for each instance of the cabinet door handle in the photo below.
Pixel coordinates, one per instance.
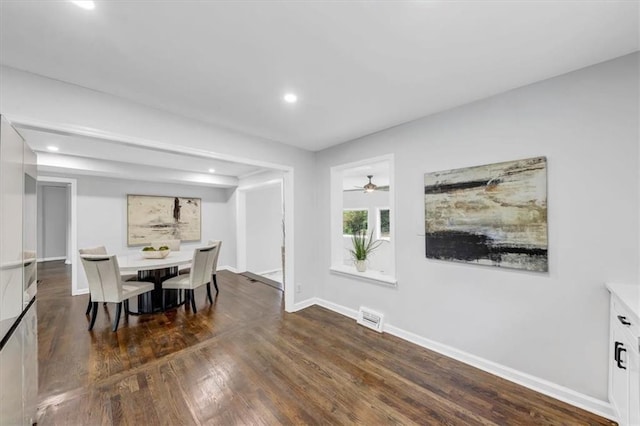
(616, 351)
(619, 349)
(623, 320)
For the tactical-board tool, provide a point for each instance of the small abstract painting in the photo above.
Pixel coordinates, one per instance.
(489, 215)
(151, 218)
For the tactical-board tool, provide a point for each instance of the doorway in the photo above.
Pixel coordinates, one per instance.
(261, 236)
(108, 158)
(57, 223)
(53, 221)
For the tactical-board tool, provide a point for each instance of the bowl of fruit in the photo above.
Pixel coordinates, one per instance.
(150, 252)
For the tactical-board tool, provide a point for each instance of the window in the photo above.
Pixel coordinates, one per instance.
(354, 221)
(362, 198)
(383, 224)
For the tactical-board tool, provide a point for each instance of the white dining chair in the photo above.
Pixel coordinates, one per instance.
(214, 277)
(106, 285)
(101, 250)
(215, 265)
(200, 274)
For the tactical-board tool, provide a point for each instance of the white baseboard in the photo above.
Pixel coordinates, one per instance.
(228, 268)
(304, 304)
(48, 259)
(272, 271)
(80, 291)
(343, 310)
(586, 402)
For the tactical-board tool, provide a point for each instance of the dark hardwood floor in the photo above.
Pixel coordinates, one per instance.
(244, 361)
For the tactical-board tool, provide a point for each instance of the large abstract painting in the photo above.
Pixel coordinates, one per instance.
(152, 218)
(490, 215)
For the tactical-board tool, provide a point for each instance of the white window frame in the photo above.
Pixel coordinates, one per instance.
(388, 278)
(379, 223)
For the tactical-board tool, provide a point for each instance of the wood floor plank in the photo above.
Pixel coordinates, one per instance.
(360, 368)
(280, 391)
(243, 361)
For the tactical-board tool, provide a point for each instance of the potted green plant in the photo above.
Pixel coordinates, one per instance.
(363, 246)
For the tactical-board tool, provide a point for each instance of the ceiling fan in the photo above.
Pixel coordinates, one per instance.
(370, 186)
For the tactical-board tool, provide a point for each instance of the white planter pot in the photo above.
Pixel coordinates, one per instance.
(361, 265)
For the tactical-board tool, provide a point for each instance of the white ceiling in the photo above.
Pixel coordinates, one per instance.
(357, 67)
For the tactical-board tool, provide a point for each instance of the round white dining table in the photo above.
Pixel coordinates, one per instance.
(134, 262)
(155, 271)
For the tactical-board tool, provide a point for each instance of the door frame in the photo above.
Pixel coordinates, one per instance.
(72, 229)
(286, 193)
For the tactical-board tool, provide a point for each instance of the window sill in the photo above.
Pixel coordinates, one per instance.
(369, 275)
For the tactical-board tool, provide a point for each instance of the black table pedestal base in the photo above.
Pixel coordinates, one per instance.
(151, 302)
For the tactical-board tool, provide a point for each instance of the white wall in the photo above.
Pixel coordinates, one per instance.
(264, 228)
(29, 97)
(550, 325)
(52, 221)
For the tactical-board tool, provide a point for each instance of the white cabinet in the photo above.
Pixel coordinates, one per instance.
(11, 198)
(11, 389)
(30, 366)
(19, 373)
(18, 275)
(634, 387)
(624, 353)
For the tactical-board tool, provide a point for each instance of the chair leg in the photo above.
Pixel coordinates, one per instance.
(94, 315)
(126, 308)
(89, 306)
(117, 318)
(164, 303)
(193, 301)
(187, 299)
(215, 283)
(209, 293)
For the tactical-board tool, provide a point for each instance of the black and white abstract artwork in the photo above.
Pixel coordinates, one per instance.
(152, 218)
(489, 215)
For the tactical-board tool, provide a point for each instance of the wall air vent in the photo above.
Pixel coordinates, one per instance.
(370, 319)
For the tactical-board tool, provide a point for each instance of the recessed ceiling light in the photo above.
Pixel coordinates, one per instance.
(85, 4)
(212, 170)
(52, 148)
(290, 98)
